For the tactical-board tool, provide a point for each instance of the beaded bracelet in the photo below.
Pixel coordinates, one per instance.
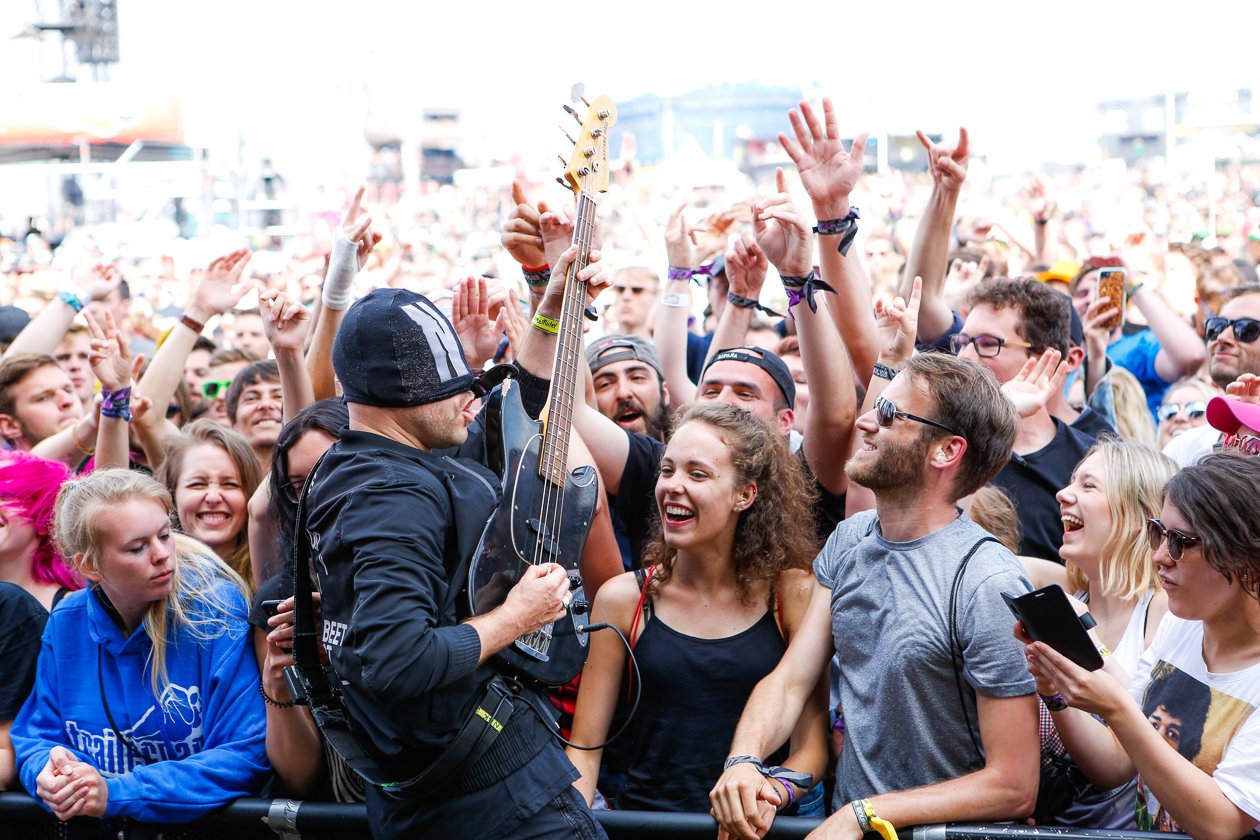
(276, 703)
(845, 228)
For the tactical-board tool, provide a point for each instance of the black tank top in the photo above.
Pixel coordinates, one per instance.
(694, 691)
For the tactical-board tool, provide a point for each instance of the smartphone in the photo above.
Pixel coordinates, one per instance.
(272, 607)
(1048, 617)
(1111, 285)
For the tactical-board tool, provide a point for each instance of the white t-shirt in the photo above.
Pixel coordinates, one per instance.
(1189, 447)
(1210, 718)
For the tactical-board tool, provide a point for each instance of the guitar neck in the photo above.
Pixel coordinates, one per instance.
(566, 372)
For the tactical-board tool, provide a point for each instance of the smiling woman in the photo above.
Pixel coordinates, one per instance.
(212, 472)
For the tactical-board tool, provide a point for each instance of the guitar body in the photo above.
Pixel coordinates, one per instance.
(516, 538)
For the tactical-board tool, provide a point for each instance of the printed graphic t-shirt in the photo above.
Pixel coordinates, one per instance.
(1209, 718)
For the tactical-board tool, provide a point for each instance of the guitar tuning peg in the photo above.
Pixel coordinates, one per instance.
(574, 114)
(563, 162)
(584, 102)
(562, 183)
(566, 134)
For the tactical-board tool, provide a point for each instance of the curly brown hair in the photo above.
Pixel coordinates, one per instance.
(775, 532)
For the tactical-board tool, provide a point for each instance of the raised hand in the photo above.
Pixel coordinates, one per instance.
(522, 236)
(897, 322)
(781, 232)
(710, 236)
(962, 278)
(828, 172)
(1040, 378)
(1039, 200)
(97, 280)
(285, 320)
(1245, 388)
(220, 287)
(746, 266)
(680, 240)
(1094, 324)
(948, 164)
(109, 355)
(358, 228)
(556, 227)
(470, 315)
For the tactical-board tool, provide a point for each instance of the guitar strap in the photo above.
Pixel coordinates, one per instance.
(314, 684)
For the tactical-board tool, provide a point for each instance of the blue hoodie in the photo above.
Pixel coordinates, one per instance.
(202, 741)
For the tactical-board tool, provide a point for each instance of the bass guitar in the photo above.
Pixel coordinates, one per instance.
(546, 510)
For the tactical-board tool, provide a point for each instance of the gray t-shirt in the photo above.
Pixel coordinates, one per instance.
(890, 624)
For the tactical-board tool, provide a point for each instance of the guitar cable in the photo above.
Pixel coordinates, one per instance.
(638, 691)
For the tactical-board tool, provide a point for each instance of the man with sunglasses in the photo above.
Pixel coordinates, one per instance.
(1233, 350)
(939, 705)
(636, 289)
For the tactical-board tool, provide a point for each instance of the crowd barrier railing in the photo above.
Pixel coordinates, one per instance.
(268, 818)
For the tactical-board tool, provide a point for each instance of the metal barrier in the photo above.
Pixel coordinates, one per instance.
(265, 818)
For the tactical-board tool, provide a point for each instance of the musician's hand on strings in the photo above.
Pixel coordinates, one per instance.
(540, 596)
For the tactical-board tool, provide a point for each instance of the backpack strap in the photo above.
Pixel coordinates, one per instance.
(955, 642)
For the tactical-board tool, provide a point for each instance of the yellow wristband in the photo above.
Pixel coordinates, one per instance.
(1103, 650)
(881, 827)
(548, 325)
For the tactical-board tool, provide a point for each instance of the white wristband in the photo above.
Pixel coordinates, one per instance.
(343, 266)
(676, 301)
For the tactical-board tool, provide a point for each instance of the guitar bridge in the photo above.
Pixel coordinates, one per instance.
(537, 644)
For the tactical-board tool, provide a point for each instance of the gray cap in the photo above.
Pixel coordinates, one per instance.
(620, 347)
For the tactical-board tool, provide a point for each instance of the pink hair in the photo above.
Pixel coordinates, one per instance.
(30, 484)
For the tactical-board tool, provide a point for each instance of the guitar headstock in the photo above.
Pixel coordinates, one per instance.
(587, 169)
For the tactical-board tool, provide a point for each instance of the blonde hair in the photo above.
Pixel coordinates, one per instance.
(1135, 477)
(248, 471)
(993, 511)
(194, 603)
(1133, 414)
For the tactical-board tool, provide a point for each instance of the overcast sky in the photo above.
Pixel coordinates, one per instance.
(291, 76)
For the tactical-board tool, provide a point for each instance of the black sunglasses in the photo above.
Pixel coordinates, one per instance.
(1193, 410)
(886, 412)
(1246, 330)
(1178, 541)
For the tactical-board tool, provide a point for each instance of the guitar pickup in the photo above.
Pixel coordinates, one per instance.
(545, 539)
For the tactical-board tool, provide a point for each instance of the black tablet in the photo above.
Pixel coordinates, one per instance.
(1048, 617)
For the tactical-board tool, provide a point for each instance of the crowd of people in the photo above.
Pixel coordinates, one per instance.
(806, 450)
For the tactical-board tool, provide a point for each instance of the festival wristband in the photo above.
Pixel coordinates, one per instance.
(789, 789)
(116, 404)
(676, 301)
(750, 303)
(71, 300)
(1054, 702)
(676, 273)
(548, 325)
(883, 371)
(863, 821)
(192, 324)
(804, 288)
(845, 228)
(537, 278)
(880, 826)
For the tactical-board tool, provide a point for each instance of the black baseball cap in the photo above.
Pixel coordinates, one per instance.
(764, 359)
(396, 349)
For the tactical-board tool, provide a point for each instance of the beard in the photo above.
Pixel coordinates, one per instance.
(895, 468)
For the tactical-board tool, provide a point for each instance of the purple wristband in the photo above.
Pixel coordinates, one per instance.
(116, 404)
(676, 273)
(791, 791)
